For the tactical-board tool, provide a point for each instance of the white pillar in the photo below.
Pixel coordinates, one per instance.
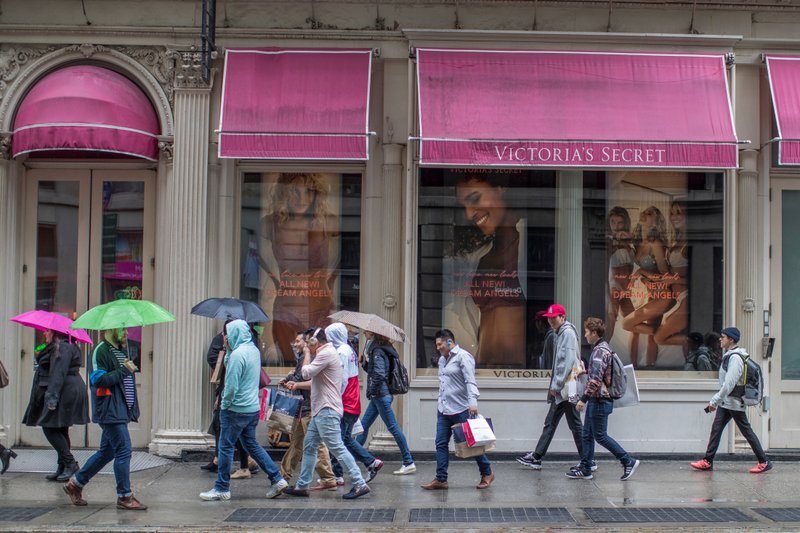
(11, 195)
(181, 279)
(569, 243)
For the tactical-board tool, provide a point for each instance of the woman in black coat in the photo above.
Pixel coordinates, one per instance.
(58, 399)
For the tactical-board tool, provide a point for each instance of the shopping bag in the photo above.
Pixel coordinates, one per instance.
(478, 432)
(358, 429)
(575, 384)
(462, 450)
(4, 380)
(218, 368)
(631, 396)
(265, 409)
(285, 410)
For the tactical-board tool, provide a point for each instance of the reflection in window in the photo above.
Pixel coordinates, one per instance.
(300, 252)
(57, 246)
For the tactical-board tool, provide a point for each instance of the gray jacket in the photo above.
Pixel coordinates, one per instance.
(728, 380)
(566, 354)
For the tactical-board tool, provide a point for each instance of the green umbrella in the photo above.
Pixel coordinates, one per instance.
(123, 314)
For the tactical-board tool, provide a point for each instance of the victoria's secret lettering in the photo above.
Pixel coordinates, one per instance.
(579, 154)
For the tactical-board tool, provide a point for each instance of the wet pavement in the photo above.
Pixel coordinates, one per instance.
(662, 496)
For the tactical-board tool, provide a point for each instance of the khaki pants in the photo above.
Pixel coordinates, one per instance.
(295, 453)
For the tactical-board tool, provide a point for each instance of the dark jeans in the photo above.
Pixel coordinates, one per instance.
(115, 444)
(444, 425)
(356, 450)
(243, 457)
(59, 440)
(234, 426)
(557, 410)
(382, 406)
(720, 421)
(595, 428)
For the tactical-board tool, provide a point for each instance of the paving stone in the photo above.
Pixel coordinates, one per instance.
(665, 514)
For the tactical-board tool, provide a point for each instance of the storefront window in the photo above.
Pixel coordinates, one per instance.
(487, 246)
(300, 252)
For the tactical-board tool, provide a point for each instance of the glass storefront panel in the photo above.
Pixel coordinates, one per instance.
(487, 243)
(57, 246)
(299, 252)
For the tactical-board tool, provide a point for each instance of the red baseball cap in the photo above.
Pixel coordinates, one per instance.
(555, 310)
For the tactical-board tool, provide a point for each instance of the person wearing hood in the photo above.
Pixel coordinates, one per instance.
(729, 407)
(239, 412)
(295, 381)
(351, 401)
(699, 356)
(325, 373)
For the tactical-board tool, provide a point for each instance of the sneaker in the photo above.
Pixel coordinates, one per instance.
(277, 488)
(579, 466)
(530, 461)
(405, 470)
(242, 473)
(760, 468)
(629, 469)
(702, 464)
(357, 492)
(294, 491)
(339, 481)
(215, 495)
(372, 470)
(579, 474)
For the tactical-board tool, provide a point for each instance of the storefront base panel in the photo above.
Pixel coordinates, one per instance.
(666, 421)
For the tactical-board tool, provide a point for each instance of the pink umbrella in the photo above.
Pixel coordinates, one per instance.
(43, 320)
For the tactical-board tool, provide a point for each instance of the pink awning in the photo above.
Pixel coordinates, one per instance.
(784, 83)
(86, 108)
(574, 109)
(295, 104)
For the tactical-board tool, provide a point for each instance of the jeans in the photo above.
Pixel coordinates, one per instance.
(244, 461)
(59, 440)
(382, 405)
(326, 427)
(242, 426)
(721, 420)
(294, 454)
(557, 410)
(444, 430)
(356, 450)
(595, 428)
(115, 444)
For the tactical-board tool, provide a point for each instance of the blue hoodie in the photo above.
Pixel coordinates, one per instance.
(242, 370)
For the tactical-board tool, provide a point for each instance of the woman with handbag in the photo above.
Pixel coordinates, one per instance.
(58, 399)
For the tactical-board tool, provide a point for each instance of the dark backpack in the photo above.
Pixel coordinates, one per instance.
(619, 381)
(398, 375)
(750, 388)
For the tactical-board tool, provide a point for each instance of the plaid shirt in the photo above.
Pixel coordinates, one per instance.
(599, 371)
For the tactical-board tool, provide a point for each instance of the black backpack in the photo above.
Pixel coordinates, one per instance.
(398, 375)
(750, 388)
(619, 380)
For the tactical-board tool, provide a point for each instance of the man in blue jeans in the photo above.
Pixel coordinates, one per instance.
(598, 406)
(114, 406)
(239, 409)
(458, 400)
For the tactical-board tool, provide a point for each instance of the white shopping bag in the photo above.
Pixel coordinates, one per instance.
(478, 432)
(631, 396)
(358, 429)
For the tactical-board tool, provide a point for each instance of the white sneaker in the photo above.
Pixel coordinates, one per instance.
(405, 470)
(215, 494)
(276, 489)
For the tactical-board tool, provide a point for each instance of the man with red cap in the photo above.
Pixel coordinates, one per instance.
(567, 356)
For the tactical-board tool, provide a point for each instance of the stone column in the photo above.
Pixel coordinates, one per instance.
(181, 263)
(391, 259)
(10, 274)
(569, 243)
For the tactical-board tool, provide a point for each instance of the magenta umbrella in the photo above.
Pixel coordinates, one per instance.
(43, 320)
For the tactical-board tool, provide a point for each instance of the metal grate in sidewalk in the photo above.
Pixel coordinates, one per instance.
(490, 515)
(788, 514)
(665, 514)
(22, 514)
(44, 460)
(303, 515)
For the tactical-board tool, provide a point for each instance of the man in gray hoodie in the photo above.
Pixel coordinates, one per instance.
(567, 355)
(729, 407)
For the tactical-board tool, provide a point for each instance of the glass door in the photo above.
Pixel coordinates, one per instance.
(93, 243)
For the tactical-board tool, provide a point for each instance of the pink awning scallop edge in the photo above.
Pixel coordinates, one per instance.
(295, 104)
(86, 108)
(784, 84)
(574, 109)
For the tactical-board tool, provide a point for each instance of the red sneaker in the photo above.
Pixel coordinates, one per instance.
(760, 468)
(702, 464)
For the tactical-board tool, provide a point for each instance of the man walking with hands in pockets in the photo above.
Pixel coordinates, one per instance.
(458, 400)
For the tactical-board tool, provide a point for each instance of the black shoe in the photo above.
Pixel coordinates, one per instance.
(210, 467)
(5, 457)
(356, 492)
(54, 476)
(69, 471)
(294, 491)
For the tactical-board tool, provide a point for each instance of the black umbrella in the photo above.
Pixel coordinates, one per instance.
(229, 309)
